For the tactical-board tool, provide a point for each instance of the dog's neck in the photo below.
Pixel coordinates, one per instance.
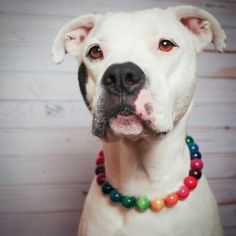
(151, 168)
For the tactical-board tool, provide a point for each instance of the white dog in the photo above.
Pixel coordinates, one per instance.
(137, 77)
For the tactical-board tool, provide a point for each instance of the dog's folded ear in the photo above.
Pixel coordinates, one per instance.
(71, 36)
(203, 25)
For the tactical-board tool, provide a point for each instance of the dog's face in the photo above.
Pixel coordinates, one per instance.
(137, 70)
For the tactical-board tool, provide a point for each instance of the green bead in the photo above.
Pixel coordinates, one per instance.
(115, 195)
(189, 139)
(128, 201)
(142, 204)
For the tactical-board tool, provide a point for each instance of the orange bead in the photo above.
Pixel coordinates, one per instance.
(171, 199)
(157, 204)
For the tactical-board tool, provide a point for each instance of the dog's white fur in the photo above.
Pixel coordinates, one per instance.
(137, 164)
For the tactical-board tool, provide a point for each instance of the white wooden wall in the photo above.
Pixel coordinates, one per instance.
(46, 147)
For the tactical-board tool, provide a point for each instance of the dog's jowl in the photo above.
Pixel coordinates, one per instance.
(137, 75)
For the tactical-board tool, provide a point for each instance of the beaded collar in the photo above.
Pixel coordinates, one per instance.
(141, 203)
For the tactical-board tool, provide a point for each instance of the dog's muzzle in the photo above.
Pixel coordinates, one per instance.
(116, 111)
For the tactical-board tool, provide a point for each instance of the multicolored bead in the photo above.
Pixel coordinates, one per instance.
(197, 164)
(99, 169)
(101, 178)
(142, 204)
(193, 147)
(195, 155)
(127, 201)
(157, 204)
(183, 192)
(115, 195)
(190, 182)
(195, 173)
(100, 160)
(171, 199)
(189, 139)
(106, 187)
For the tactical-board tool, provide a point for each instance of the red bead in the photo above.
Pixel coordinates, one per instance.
(190, 182)
(101, 178)
(171, 199)
(100, 159)
(183, 192)
(197, 164)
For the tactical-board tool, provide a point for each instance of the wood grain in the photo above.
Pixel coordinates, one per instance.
(54, 170)
(224, 10)
(14, 30)
(59, 114)
(64, 87)
(80, 141)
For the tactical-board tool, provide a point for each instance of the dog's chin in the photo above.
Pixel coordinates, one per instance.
(126, 126)
(122, 125)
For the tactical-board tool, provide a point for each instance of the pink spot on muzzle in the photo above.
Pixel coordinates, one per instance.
(143, 105)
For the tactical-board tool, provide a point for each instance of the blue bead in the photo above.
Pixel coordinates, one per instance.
(193, 147)
(196, 155)
(115, 196)
(106, 187)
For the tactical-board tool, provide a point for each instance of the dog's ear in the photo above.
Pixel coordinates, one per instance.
(71, 36)
(203, 25)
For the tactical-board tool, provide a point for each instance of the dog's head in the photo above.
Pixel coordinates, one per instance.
(137, 70)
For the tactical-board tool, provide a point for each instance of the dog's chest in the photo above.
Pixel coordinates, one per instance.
(113, 220)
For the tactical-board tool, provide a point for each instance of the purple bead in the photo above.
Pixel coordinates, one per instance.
(99, 169)
(195, 173)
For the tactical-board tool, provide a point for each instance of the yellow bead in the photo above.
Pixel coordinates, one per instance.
(157, 204)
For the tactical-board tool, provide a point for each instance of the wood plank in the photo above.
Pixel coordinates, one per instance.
(223, 65)
(64, 86)
(228, 215)
(39, 199)
(44, 28)
(59, 114)
(40, 86)
(213, 116)
(230, 231)
(215, 91)
(63, 142)
(48, 142)
(46, 171)
(44, 114)
(39, 60)
(218, 166)
(61, 224)
(47, 224)
(79, 169)
(223, 190)
(223, 10)
(53, 198)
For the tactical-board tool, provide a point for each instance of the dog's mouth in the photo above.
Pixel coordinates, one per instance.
(122, 121)
(124, 124)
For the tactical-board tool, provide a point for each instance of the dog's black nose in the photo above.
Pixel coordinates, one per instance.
(126, 79)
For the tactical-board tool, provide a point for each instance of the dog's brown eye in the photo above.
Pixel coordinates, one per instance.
(166, 45)
(95, 53)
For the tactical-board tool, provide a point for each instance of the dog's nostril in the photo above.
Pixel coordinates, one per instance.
(109, 80)
(130, 79)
